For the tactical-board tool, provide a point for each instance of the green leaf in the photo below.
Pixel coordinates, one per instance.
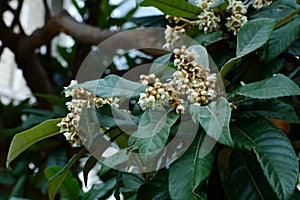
(112, 86)
(177, 8)
(274, 153)
(245, 179)
(70, 187)
(228, 66)
(214, 119)
(100, 190)
(153, 130)
(110, 116)
(270, 108)
(273, 87)
(55, 181)
(25, 139)
(161, 66)
(282, 38)
(156, 189)
(253, 35)
(189, 171)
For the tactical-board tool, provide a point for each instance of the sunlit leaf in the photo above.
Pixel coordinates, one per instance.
(25, 139)
(273, 87)
(178, 8)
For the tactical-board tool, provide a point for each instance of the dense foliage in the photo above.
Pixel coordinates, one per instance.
(253, 120)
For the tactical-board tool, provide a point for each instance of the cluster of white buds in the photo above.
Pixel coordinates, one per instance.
(191, 82)
(237, 18)
(192, 79)
(204, 4)
(261, 3)
(172, 35)
(208, 19)
(158, 93)
(172, 19)
(80, 99)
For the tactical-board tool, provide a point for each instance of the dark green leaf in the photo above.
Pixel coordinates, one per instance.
(294, 49)
(253, 35)
(156, 189)
(25, 139)
(214, 118)
(152, 21)
(282, 38)
(277, 10)
(69, 186)
(273, 87)
(112, 86)
(274, 153)
(245, 179)
(101, 190)
(190, 170)
(207, 38)
(55, 180)
(177, 8)
(271, 108)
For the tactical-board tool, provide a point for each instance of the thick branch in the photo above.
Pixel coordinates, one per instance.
(80, 31)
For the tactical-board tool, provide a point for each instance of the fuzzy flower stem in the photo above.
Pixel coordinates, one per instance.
(286, 19)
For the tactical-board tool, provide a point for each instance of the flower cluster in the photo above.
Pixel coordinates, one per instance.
(261, 3)
(80, 99)
(191, 82)
(158, 93)
(237, 18)
(192, 79)
(172, 35)
(208, 19)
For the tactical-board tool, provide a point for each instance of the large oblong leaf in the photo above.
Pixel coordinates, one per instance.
(177, 8)
(274, 153)
(70, 187)
(253, 35)
(189, 171)
(270, 108)
(214, 118)
(56, 180)
(273, 87)
(25, 139)
(112, 86)
(282, 38)
(245, 179)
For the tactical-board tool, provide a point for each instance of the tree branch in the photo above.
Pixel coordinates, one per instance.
(80, 31)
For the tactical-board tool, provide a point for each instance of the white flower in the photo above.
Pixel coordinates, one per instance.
(211, 94)
(235, 22)
(211, 77)
(67, 135)
(172, 35)
(180, 109)
(261, 3)
(75, 121)
(64, 126)
(236, 7)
